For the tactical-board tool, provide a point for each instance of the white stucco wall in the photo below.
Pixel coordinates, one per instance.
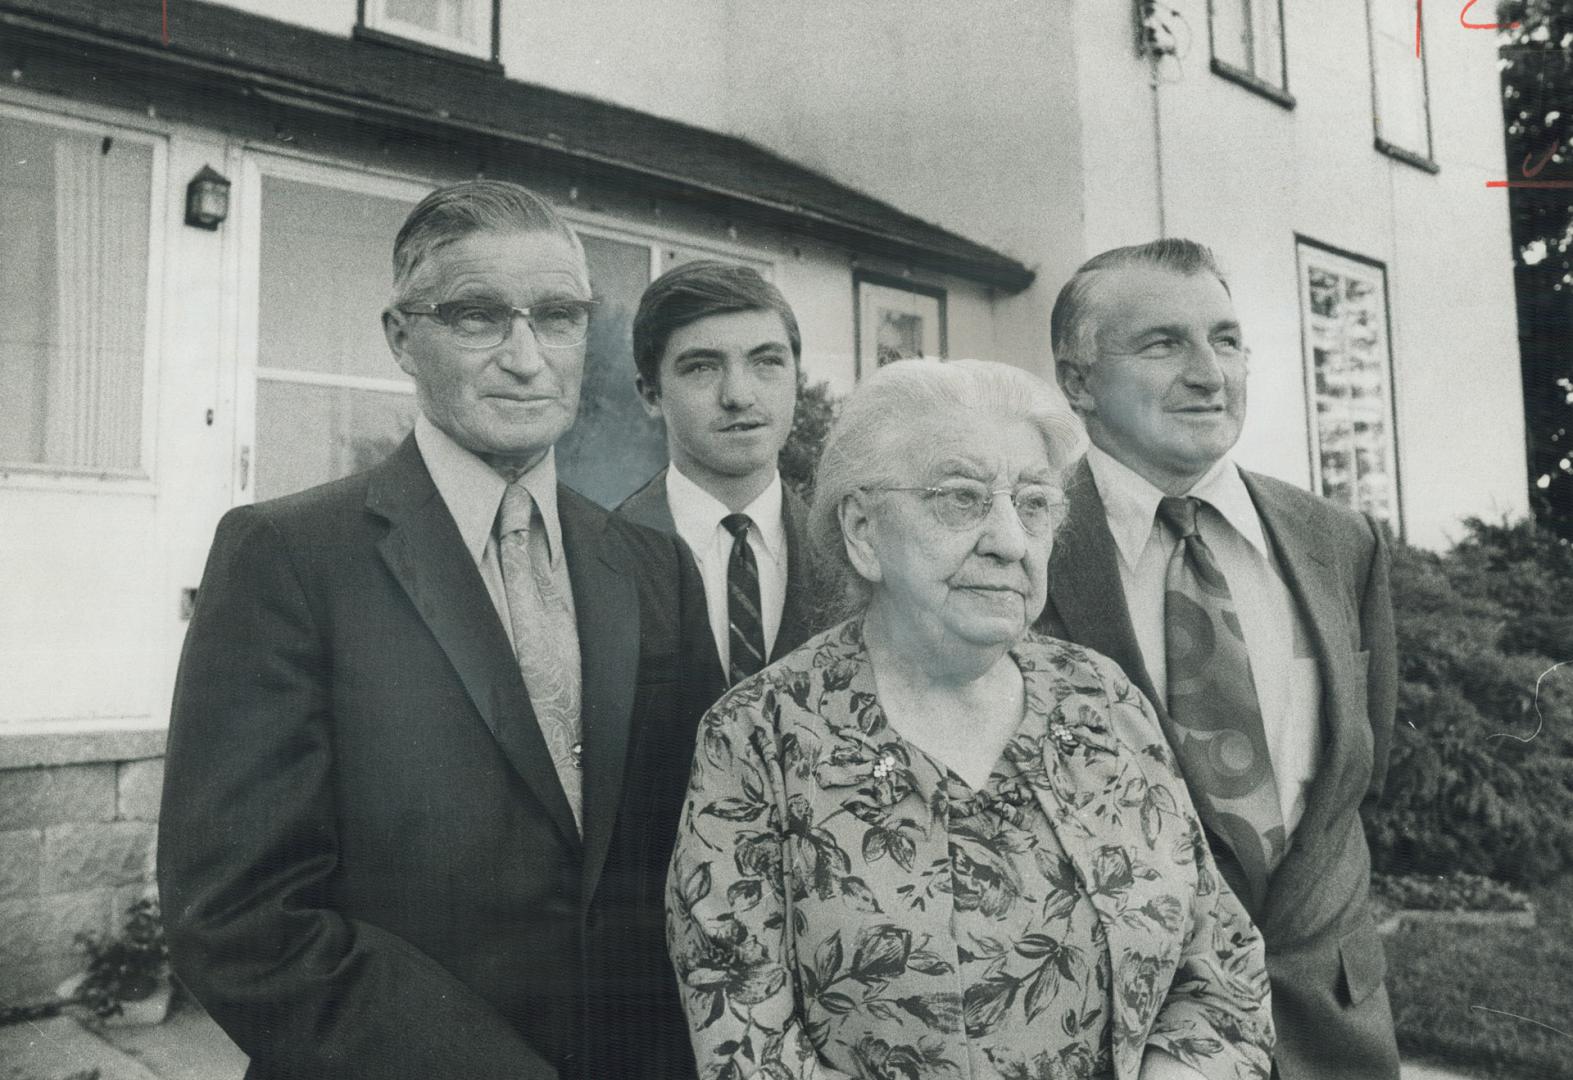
(1245, 175)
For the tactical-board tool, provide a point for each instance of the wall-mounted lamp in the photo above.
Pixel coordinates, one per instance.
(207, 199)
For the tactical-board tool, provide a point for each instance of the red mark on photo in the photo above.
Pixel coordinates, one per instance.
(1463, 20)
(1467, 25)
(164, 11)
(1530, 172)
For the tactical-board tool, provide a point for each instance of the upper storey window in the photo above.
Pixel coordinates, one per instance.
(1398, 84)
(468, 27)
(1248, 45)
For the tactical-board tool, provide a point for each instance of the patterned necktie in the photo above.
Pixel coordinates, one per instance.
(1214, 718)
(545, 636)
(746, 634)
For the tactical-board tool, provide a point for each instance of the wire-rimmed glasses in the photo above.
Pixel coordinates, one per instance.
(484, 324)
(964, 504)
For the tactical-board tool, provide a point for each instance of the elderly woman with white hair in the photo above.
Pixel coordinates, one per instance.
(926, 844)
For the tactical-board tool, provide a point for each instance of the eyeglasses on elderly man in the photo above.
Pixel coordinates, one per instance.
(476, 324)
(926, 833)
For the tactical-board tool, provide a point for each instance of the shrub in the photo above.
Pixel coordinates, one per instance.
(816, 409)
(1481, 774)
(125, 968)
(1452, 892)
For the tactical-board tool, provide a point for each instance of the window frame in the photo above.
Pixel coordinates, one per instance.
(141, 480)
(1245, 77)
(372, 23)
(1426, 160)
(1304, 247)
(258, 164)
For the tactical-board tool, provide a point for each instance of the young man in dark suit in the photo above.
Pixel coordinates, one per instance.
(717, 349)
(1257, 618)
(433, 722)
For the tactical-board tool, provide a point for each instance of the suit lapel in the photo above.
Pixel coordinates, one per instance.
(1317, 589)
(1089, 597)
(1085, 588)
(606, 606)
(426, 555)
(649, 506)
(797, 612)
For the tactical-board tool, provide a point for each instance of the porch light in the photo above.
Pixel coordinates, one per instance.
(207, 199)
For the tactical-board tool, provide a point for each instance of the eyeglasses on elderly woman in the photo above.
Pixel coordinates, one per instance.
(965, 504)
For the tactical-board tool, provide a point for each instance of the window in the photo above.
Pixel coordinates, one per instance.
(613, 447)
(468, 27)
(1248, 45)
(76, 226)
(330, 400)
(1349, 380)
(1398, 84)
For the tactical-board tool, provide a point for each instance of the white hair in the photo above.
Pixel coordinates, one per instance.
(884, 424)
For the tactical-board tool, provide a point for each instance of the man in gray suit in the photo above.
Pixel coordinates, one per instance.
(1254, 615)
(717, 349)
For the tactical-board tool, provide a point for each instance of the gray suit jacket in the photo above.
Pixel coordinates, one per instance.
(802, 616)
(1323, 953)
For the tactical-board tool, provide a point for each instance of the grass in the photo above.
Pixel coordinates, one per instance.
(1443, 979)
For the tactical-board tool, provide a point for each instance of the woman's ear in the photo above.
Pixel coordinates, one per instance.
(856, 514)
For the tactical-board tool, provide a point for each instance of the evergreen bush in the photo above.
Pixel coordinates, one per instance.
(1480, 778)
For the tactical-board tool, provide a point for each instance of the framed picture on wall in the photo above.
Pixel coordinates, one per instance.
(1349, 380)
(897, 319)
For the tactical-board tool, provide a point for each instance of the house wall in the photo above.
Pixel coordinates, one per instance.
(1026, 126)
(1245, 175)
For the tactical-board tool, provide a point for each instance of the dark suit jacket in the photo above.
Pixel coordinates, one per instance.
(1323, 953)
(802, 615)
(368, 865)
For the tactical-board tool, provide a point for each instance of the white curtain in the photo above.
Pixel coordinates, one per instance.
(101, 251)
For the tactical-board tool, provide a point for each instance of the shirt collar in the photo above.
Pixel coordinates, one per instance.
(697, 514)
(1130, 501)
(473, 491)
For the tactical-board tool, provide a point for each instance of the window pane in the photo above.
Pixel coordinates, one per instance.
(74, 224)
(1232, 32)
(613, 447)
(1350, 362)
(441, 21)
(1267, 37)
(1400, 80)
(309, 435)
(325, 276)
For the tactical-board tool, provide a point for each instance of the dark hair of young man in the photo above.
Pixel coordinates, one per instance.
(697, 290)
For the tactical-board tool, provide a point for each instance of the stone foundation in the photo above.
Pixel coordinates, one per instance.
(78, 823)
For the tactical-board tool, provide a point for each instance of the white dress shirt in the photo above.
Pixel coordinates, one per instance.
(473, 493)
(1283, 664)
(697, 515)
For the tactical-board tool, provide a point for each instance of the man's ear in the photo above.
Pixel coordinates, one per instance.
(397, 332)
(857, 526)
(1072, 377)
(649, 396)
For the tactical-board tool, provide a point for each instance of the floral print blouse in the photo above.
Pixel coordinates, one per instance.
(841, 904)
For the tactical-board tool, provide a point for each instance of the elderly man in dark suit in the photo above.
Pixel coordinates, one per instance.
(1255, 616)
(433, 722)
(717, 349)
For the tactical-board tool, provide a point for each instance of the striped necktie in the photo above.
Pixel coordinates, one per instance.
(746, 633)
(1214, 717)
